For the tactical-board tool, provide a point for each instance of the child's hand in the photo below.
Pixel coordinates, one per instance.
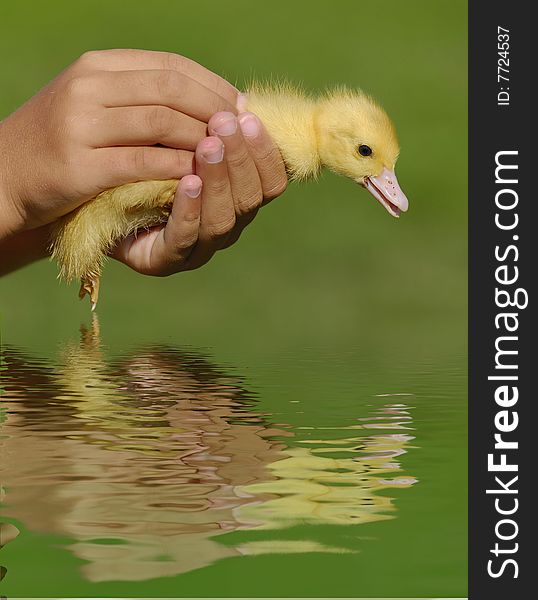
(96, 126)
(238, 169)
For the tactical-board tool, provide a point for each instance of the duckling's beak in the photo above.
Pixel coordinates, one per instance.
(386, 189)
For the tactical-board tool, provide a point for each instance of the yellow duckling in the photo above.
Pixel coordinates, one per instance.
(343, 130)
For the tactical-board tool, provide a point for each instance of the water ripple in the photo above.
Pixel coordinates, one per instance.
(143, 461)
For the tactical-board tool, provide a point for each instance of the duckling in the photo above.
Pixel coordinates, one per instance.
(343, 130)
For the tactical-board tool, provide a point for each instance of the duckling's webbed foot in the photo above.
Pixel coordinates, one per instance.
(90, 285)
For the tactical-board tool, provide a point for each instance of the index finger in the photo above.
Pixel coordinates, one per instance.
(158, 88)
(266, 156)
(136, 60)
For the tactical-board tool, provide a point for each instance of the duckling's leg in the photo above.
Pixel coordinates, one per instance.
(90, 285)
(82, 239)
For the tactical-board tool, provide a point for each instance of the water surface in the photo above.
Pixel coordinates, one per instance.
(158, 463)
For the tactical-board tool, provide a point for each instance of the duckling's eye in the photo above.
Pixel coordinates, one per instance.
(365, 150)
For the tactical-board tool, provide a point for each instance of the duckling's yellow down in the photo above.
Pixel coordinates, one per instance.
(310, 133)
(83, 238)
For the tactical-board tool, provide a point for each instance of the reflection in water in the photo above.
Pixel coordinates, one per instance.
(143, 461)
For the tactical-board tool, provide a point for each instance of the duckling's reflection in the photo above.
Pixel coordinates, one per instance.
(144, 461)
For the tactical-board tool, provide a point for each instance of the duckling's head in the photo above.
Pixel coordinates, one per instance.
(357, 139)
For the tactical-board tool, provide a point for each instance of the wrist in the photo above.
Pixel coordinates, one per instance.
(11, 216)
(11, 221)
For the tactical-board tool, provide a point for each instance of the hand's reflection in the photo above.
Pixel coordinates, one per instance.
(144, 460)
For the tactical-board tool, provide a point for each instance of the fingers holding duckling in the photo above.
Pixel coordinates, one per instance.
(236, 173)
(244, 179)
(156, 87)
(140, 126)
(249, 148)
(218, 215)
(195, 230)
(165, 249)
(266, 156)
(255, 168)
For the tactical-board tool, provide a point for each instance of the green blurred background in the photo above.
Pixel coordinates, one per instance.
(324, 271)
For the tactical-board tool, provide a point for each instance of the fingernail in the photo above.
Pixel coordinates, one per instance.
(214, 153)
(223, 124)
(191, 186)
(241, 102)
(250, 125)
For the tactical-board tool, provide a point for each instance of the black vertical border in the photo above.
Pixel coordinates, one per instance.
(494, 128)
